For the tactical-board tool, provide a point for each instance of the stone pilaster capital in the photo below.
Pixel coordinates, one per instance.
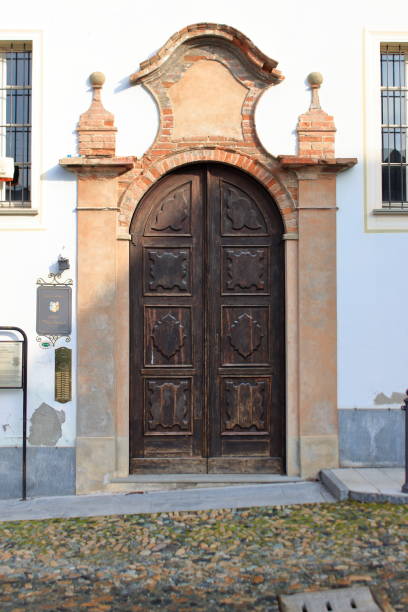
(97, 167)
(307, 168)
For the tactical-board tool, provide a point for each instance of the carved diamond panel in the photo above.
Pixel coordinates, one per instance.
(240, 215)
(167, 336)
(167, 271)
(245, 405)
(245, 270)
(168, 406)
(172, 215)
(245, 332)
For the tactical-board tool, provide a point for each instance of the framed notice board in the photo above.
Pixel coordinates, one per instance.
(54, 306)
(11, 364)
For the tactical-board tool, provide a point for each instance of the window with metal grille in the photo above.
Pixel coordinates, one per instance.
(15, 121)
(394, 90)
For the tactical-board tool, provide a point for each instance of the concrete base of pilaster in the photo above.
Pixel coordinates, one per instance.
(292, 456)
(95, 464)
(317, 453)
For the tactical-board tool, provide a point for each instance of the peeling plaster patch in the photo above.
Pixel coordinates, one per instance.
(45, 427)
(395, 398)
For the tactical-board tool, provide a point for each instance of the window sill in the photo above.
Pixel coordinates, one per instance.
(31, 212)
(390, 211)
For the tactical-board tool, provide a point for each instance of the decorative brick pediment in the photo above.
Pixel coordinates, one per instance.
(219, 34)
(206, 81)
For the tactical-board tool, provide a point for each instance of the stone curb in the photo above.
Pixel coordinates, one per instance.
(341, 492)
(379, 497)
(190, 500)
(335, 486)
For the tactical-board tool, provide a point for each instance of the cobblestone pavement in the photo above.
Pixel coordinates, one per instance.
(208, 560)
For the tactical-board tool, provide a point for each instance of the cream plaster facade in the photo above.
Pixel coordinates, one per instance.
(88, 220)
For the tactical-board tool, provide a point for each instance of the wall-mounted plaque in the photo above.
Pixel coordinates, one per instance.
(54, 310)
(11, 364)
(63, 376)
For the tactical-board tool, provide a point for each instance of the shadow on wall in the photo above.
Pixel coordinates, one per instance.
(56, 173)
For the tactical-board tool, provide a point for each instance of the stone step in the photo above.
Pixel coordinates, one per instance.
(168, 482)
(202, 498)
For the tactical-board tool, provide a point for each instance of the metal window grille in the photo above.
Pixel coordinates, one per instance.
(15, 121)
(394, 90)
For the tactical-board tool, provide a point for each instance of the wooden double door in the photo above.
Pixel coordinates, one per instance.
(207, 325)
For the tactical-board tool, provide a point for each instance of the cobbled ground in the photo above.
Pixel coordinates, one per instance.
(207, 560)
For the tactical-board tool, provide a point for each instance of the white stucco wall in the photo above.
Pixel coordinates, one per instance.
(81, 37)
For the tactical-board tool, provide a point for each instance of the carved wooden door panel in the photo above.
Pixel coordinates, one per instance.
(246, 369)
(206, 286)
(166, 331)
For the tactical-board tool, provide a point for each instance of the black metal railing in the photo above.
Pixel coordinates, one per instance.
(21, 385)
(405, 407)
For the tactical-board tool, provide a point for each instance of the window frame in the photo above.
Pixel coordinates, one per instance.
(13, 218)
(10, 129)
(378, 218)
(394, 133)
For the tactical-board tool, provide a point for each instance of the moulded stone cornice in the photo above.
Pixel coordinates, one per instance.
(334, 165)
(264, 66)
(115, 165)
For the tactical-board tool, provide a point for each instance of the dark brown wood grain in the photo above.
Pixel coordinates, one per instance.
(207, 325)
(245, 465)
(170, 465)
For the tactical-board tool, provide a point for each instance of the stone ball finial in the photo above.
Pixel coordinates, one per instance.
(97, 79)
(315, 79)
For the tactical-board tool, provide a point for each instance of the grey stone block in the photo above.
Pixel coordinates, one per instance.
(359, 598)
(371, 438)
(10, 472)
(379, 498)
(333, 484)
(50, 471)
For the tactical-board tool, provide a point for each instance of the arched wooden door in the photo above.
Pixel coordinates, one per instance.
(207, 325)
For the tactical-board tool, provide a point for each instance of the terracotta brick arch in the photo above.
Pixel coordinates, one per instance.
(155, 170)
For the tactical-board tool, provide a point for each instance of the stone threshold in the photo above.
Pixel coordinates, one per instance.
(206, 478)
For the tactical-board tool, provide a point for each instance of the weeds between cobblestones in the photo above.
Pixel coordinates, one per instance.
(207, 560)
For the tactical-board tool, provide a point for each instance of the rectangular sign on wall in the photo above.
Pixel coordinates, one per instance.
(63, 374)
(11, 364)
(54, 310)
